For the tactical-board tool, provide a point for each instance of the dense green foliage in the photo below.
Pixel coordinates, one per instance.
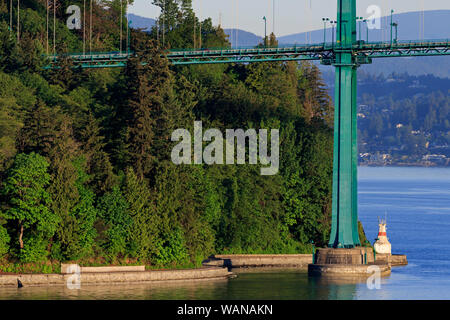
(85, 154)
(28, 205)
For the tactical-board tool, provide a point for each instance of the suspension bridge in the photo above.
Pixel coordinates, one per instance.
(325, 53)
(345, 54)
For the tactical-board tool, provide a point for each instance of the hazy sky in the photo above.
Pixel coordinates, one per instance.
(291, 16)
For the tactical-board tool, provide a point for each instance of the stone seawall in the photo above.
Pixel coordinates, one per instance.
(394, 260)
(65, 268)
(260, 260)
(97, 278)
(399, 260)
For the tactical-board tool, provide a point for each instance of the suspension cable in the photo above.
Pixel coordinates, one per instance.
(54, 27)
(273, 17)
(84, 27)
(126, 14)
(90, 28)
(158, 26)
(10, 15)
(237, 23)
(423, 21)
(200, 20)
(121, 14)
(18, 21)
(46, 43)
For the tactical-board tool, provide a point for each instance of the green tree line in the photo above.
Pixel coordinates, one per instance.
(85, 164)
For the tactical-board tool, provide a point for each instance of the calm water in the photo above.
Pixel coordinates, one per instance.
(417, 204)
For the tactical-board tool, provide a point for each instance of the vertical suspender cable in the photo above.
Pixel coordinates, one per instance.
(157, 25)
(234, 23)
(195, 33)
(90, 27)
(18, 21)
(384, 22)
(126, 14)
(84, 27)
(46, 42)
(273, 17)
(200, 18)
(311, 21)
(420, 21)
(423, 20)
(121, 14)
(54, 27)
(237, 23)
(268, 10)
(10, 15)
(306, 33)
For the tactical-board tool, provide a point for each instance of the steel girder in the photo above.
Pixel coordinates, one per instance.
(325, 53)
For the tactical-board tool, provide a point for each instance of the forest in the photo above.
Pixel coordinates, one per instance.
(85, 167)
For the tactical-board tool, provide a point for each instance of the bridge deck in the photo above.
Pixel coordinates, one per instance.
(322, 52)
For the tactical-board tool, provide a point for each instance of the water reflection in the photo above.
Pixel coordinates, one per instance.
(263, 285)
(175, 290)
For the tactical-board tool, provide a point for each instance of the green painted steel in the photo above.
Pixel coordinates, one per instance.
(326, 53)
(344, 226)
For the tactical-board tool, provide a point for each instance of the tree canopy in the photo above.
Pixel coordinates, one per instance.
(85, 161)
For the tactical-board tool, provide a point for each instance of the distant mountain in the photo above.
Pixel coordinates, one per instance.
(138, 22)
(244, 38)
(415, 66)
(436, 27)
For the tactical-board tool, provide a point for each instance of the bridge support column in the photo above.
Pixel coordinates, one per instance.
(344, 228)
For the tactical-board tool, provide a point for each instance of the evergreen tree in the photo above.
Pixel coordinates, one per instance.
(113, 209)
(148, 78)
(313, 94)
(144, 241)
(28, 206)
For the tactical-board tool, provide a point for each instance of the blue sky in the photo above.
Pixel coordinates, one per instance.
(291, 16)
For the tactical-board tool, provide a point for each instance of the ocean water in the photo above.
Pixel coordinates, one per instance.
(416, 203)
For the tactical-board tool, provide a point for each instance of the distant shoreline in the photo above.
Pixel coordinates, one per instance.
(399, 165)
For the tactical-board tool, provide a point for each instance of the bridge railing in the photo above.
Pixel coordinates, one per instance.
(253, 49)
(283, 52)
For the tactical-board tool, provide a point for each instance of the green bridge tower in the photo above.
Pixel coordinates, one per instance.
(344, 227)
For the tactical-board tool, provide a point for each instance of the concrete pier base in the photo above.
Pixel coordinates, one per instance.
(355, 256)
(353, 263)
(356, 271)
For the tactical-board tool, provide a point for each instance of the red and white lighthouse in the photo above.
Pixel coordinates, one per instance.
(382, 244)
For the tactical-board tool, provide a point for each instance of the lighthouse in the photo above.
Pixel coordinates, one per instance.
(382, 244)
